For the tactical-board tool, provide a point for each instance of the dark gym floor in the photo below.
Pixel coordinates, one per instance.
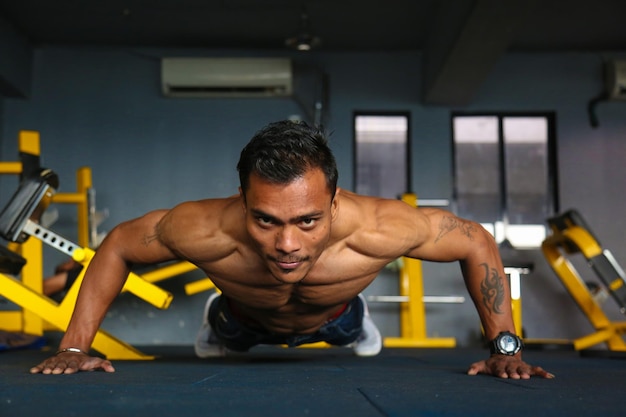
(315, 382)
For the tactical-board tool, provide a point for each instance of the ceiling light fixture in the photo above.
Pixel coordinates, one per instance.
(304, 41)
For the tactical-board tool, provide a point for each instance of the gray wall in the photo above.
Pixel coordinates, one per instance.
(102, 107)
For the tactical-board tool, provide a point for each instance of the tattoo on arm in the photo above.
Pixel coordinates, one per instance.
(448, 224)
(146, 240)
(492, 289)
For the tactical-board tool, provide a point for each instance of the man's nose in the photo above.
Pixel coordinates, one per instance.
(287, 240)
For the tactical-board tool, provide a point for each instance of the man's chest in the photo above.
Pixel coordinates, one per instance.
(326, 284)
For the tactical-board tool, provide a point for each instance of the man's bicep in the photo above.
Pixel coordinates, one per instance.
(142, 240)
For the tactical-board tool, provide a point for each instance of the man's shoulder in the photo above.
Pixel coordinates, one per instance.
(374, 216)
(199, 216)
(214, 207)
(203, 226)
(374, 208)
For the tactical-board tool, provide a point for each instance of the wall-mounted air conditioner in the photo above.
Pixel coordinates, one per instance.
(616, 80)
(226, 77)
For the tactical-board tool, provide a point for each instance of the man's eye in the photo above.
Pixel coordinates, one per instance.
(308, 222)
(266, 221)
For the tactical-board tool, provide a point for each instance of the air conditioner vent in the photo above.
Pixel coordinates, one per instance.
(226, 77)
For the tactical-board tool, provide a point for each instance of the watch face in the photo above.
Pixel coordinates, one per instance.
(508, 343)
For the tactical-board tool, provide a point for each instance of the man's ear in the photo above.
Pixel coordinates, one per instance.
(334, 205)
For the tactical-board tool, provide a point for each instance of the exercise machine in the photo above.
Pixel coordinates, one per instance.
(571, 235)
(19, 221)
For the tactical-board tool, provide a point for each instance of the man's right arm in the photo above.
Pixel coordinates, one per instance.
(135, 241)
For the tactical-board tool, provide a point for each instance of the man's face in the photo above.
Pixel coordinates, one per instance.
(290, 223)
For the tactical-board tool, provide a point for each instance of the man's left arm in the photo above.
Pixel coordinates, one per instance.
(450, 238)
(489, 289)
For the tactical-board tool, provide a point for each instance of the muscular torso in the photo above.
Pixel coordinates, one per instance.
(292, 308)
(355, 254)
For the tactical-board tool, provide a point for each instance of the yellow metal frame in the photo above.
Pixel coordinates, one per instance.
(553, 247)
(59, 314)
(80, 198)
(195, 287)
(413, 331)
(24, 320)
(515, 284)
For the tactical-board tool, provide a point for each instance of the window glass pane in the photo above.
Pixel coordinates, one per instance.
(476, 129)
(381, 155)
(477, 167)
(526, 173)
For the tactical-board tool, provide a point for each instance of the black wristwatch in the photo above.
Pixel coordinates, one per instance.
(506, 343)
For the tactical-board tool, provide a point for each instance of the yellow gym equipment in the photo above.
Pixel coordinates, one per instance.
(19, 221)
(571, 235)
(515, 283)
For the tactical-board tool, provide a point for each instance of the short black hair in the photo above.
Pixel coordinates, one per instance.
(283, 151)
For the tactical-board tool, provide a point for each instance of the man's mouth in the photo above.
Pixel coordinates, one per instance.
(288, 264)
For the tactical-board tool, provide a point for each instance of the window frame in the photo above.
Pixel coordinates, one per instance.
(552, 190)
(373, 113)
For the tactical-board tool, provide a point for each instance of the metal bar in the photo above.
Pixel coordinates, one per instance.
(69, 198)
(434, 299)
(433, 202)
(426, 202)
(49, 237)
(10, 167)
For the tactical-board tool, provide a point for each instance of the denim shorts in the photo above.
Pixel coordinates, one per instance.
(240, 337)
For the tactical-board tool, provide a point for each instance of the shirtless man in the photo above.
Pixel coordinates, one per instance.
(290, 254)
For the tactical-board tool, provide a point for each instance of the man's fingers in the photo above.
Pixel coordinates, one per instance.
(108, 367)
(97, 363)
(36, 369)
(477, 368)
(508, 370)
(71, 363)
(539, 371)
